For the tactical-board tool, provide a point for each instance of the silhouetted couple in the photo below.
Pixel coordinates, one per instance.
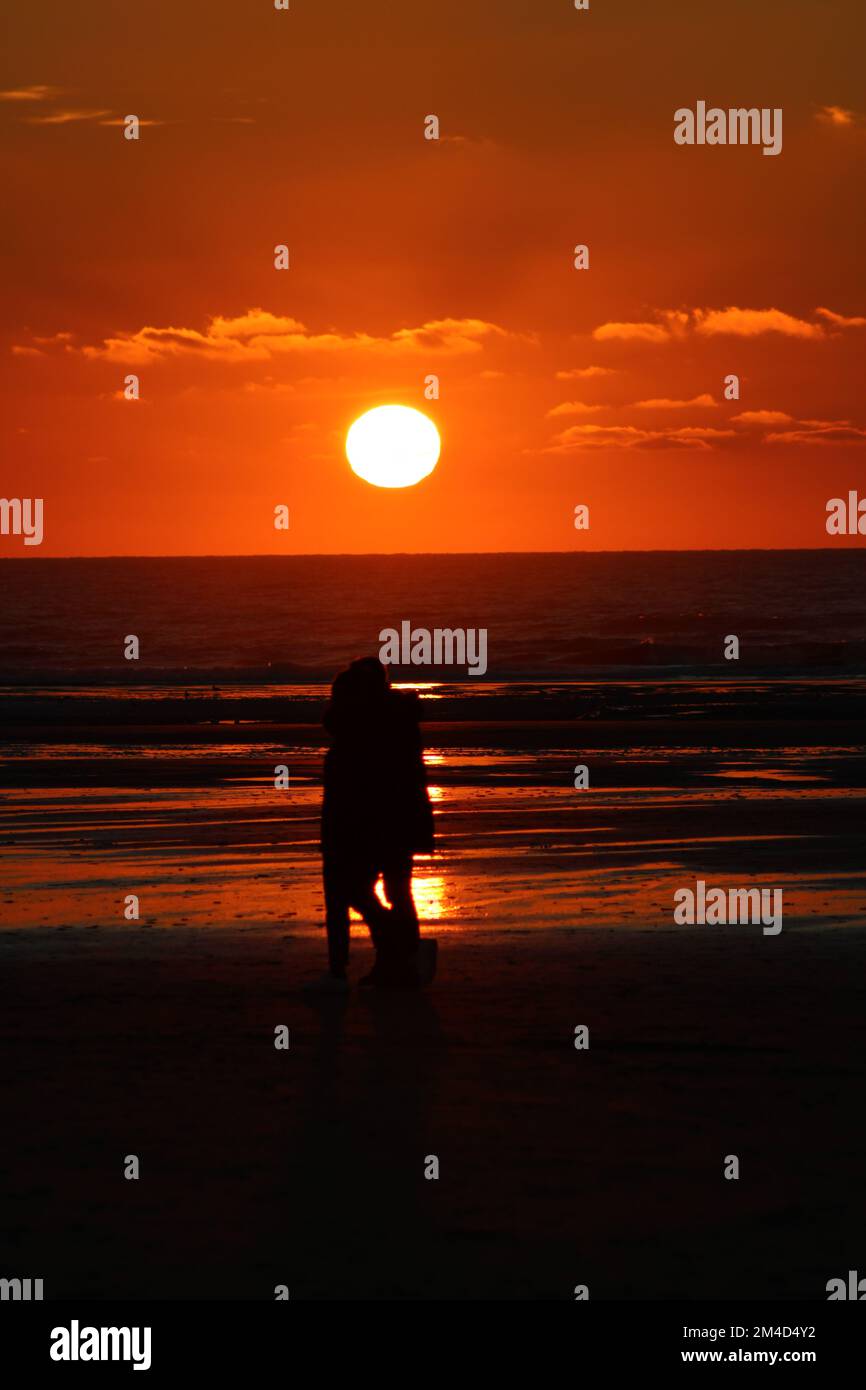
(376, 815)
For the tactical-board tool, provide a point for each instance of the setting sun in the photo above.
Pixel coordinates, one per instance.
(393, 446)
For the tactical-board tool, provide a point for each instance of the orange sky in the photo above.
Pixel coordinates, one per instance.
(411, 257)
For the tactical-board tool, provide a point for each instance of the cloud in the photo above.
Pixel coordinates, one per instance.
(35, 93)
(751, 323)
(733, 321)
(142, 121)
(838, 116)
(451, 335)
(632, 332)
(822, 432)
(65, 117)
(784, 429)
(629, 437)
(763, 417)
(69, 114)
(574, 408)
(801, 431)
(840, 321)
(662, 404)
(260, 336)
(579, 373)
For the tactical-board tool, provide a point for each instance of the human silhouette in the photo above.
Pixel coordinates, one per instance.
(376, 815)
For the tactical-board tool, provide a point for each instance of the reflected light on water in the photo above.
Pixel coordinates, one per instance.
(430, 894)
(429, 689)
(434, 760)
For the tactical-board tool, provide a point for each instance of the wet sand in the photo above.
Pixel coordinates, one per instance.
(557, 1166)
(553, 908)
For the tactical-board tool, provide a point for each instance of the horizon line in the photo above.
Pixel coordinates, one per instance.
(428, 554)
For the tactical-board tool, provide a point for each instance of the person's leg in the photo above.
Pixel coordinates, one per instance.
(381, 920)
(398, 889)
(416, 956)
(362, 897)
(336, 917)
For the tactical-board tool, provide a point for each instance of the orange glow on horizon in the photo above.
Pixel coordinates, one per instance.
(413, 259)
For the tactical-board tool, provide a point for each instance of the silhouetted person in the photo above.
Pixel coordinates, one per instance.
(376, 815)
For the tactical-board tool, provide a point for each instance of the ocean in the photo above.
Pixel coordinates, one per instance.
(295, 620)
(161, 770)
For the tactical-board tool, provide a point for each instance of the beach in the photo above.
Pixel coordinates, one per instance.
(553, 906)
(434, 452)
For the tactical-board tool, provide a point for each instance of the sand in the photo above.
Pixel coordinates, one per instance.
(554, 909)
(557, 1166)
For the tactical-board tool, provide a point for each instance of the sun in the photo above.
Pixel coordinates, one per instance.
(392, 446)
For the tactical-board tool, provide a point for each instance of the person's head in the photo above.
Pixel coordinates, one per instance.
(370, 676)
(362, 684)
